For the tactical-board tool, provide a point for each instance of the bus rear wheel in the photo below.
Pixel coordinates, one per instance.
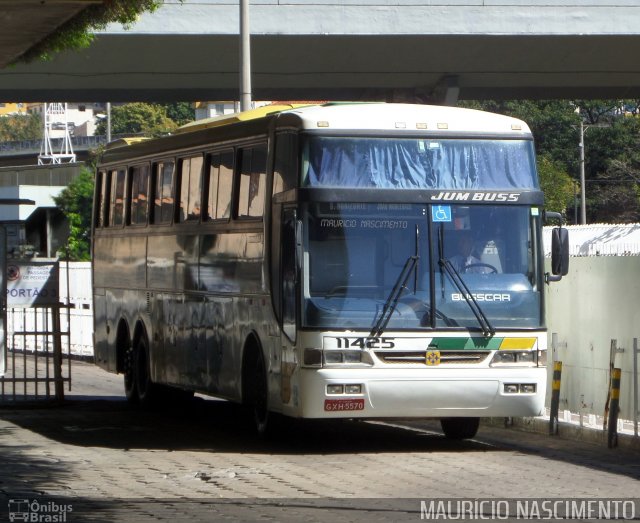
(460, 428)
(147, 391)
(130, 390)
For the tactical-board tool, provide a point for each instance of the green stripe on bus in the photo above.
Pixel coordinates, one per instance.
(466, 343)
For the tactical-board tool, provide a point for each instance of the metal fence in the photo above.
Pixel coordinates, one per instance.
(37, 357)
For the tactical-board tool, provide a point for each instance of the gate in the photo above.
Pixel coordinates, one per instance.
(34, 356)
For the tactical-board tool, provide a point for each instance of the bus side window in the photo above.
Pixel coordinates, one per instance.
(251, 188)
(102, 195)
(190, 188)
(285, 168)
(163, 187)
(116, 211)
(220, 184)
(139, 195)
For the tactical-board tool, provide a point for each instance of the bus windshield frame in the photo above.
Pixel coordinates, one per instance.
(354, 255)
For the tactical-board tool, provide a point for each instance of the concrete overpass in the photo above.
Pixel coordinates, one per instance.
(423, 50)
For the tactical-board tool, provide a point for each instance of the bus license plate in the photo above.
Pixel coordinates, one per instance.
(343, 404)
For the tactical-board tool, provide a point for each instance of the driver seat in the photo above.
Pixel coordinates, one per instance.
(490, 254)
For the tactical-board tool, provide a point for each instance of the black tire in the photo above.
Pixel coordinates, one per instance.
(129, 371)
(147, 391)
(257, 393)
(460, 428)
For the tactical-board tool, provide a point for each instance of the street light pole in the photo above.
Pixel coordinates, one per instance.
(108, 122)
(245, 57)
(583, 199)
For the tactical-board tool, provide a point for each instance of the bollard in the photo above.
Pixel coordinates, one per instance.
(555, 397)
(612, 428)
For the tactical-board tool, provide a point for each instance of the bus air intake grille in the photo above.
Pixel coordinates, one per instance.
(463, 357)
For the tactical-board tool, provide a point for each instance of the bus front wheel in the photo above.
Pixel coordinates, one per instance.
(460, 428)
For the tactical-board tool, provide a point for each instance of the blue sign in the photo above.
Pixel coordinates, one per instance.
(441, 213)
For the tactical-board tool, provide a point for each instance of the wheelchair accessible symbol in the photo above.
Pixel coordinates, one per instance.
(441, 213)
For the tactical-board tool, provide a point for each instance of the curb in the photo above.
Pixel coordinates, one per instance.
(567, 431)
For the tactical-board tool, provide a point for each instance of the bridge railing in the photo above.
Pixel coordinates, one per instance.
(78, 143)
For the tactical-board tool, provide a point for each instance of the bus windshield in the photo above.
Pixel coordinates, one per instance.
(355, 254)
(418, 163)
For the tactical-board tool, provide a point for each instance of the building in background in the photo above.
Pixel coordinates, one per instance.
(12, 109)
(82, 117)
(40, 229)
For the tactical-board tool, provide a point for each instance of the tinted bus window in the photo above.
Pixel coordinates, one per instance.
(117, 197)
(286, 161)
(220, 186)
(101, 198)
(139, 195)
(251, 189)
(163, 204)
(190, 188)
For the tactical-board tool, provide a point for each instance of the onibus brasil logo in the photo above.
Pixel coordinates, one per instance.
(38, 512)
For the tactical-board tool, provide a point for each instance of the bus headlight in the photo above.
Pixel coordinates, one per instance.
(312, 358)
(346, 357)
(514, 358)
(337, 358)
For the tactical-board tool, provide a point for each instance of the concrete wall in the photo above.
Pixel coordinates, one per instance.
(598, 301)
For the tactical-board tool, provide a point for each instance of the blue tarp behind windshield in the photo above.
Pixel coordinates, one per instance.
(419, 164)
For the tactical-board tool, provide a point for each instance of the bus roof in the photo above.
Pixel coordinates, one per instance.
(409, 117)
(375, 116)
(226, 119)
(356, 117)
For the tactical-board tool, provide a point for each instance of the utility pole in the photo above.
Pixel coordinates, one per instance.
(108, 122)
(583, 199)
(245, 57)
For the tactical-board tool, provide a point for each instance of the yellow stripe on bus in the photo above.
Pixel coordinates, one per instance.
(517, 343)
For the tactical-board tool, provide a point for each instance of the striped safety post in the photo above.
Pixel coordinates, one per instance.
(555, 397)
(612, 426)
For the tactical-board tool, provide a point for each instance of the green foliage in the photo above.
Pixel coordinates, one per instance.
(21, 127)
(76, 201)
(557, 185)
(180, 112)
(77, 32)
(138, 118)
(611, 145)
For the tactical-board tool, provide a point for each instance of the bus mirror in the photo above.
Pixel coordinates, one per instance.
(559, 251)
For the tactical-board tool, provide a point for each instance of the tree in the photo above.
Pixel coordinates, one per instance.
(138, 118)
(21, 127)
(77, 32)
(180, 112)
(612, 145)
(615, 195)
(76, 202)
(557, 185)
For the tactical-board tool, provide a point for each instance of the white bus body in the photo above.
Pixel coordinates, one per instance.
(305, 260)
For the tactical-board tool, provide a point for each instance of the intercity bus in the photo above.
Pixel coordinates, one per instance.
(340, 260)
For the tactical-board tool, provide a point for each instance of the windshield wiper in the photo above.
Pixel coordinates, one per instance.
(454, 275)
(392, 301)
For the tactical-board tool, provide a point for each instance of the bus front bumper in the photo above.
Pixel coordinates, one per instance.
(387, 393)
